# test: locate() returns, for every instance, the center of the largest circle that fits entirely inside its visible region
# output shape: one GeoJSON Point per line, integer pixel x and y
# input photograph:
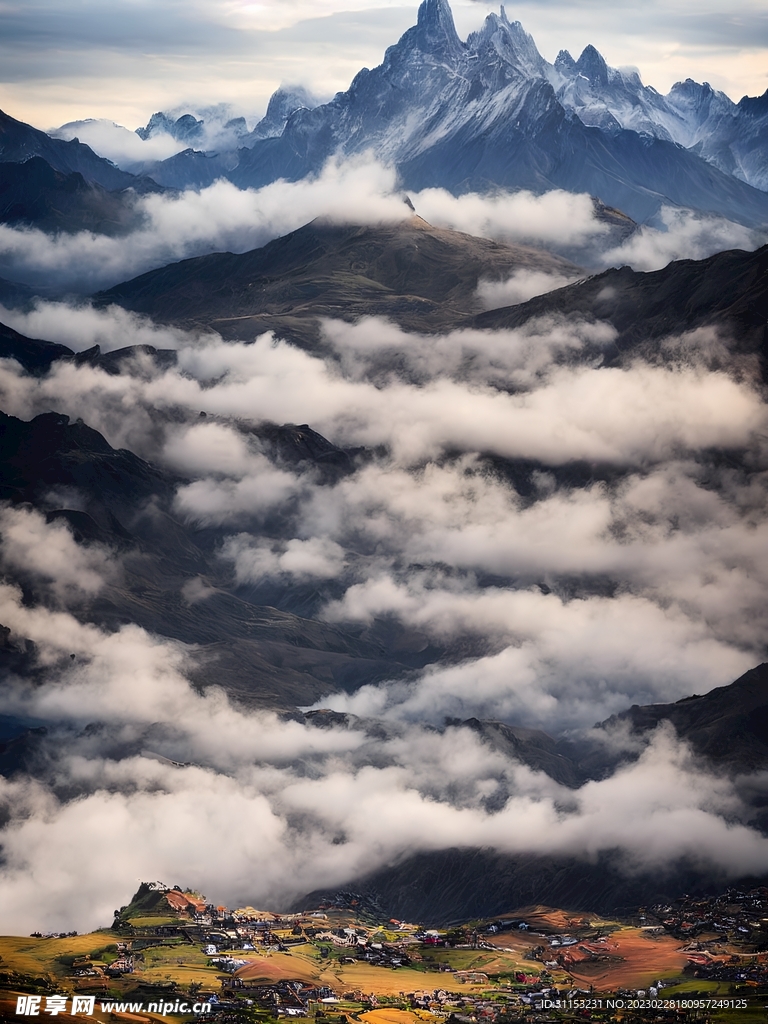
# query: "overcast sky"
{"type": "Point", "coordinates": [123, 59]}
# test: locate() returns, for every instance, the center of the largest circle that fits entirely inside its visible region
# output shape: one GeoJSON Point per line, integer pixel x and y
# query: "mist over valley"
{"type": "Point", "coordinates": [383, 498]}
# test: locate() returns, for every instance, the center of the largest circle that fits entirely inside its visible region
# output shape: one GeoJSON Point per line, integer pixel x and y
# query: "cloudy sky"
{"type": "Point", "coordinates": [124, 59]}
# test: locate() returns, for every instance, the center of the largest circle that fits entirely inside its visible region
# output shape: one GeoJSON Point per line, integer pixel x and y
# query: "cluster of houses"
{"type": "Point", "coordinates": [295, 998]}
{"type": "Point", "coordinates": [357, 945]}
{"type": "Point", "coordinates": [282, 998]}
{"type": "Point", "coordinates": [298, 999]}
{"type": "Point", "coordinates": [567, 951]}
{"type": "Point", "coordinates": [737, 915]}
{"type": "Point", "coordinates": [219, 931]}
{"type": "Point", "coordinates": [88, 974]}
{"type": "Point", "coordinates": [226, 936]}
{"type": "Point", "coordinates": [749, 971]}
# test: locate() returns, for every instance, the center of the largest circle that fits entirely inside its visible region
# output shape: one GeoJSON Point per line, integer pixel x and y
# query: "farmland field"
{"type": "Point", "coordinates": [644, 959]}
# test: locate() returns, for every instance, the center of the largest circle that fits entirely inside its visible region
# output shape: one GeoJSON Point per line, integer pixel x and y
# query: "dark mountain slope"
{"type": "Point", "coordinates": [34, 355]}
{"type": "Point", "coordinates": [531, 746]}
{"type": "Point", "coordinates": [191, 169]}
{"type": "Point", "coordinates": [34, 194]}
{"type": "Point", "coordinates": [37, 356]}
{"type": "Point", "coordinates": [737, 143]}
{"type": "Point", "coordinates": [260, 654]}
{"type": "Point", "coordinates": [728, 726]}
{"type": "Point", "coordinates": [728, 290]}
{"type": "Point", "coordinates": [456, 885]}
{"type": "Point", "coordinates": [420, 276]}
{"type": "Point", "coordinates": [13, 294]}
{"type": "Point", "coordinates": [20, 141]}
{"type": "Point", "coordinates": [49, 451]}
{"type": "Point", "coordinates": [632, 172]}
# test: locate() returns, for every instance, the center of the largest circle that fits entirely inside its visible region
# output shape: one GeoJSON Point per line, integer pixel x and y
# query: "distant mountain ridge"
{"type": "Point", "coordinates": [731, 136]}
{"type": "Point", "coordinates": [34, 194]}
{"type": "Point", "coordinates": [262, 655]}
{"type": "Point", "coordinates": [476, 115]}
{"type": "Point", "coordinates": [727, 292]}
{"type": "Point", "coordinates": [726, 728]}
{"type": "Point", "coordinates": [728, 725]}
{"type": "Point", "coordinates": [425, 279]}
{"type": "Point", "coordinates": [188, 128]}
{"type": "Point", "coordinates": [19, 142]}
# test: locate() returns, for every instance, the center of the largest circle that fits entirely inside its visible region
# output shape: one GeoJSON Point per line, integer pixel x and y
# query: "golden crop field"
{"type": "Point", "coordinates": [43, 956]}
{"type": "Point", "coordinates": [381, 980]}
{"type": "Point", "coordinates": [304, 964]}
{"type": "Point", "coordinates": [389, 1015]}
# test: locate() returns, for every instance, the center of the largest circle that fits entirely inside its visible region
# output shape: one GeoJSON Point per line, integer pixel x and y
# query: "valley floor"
{"type": "Point", "coordinates": [338, 966]}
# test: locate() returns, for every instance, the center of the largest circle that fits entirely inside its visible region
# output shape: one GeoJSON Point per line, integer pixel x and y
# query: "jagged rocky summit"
{"type": "Point", "coordinates": [492, 112]}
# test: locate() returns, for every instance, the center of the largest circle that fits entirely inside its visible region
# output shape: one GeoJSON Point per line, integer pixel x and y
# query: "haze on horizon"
{"type": "Point", "coordinates": [125, 59]}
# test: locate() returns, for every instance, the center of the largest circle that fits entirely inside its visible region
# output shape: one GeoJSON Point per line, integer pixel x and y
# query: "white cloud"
{"type": "Point", "coordinates": [48, 553]}
{"type": "Point", "coordinates": [555, 218]}
{"type": "Point", "coordinates": [213, 448]}
{"type": "Point", "coordinates": [683, 235]}
{"type": "Point", "coordinates": [221, 217]}
{"type": "Point", "coordinates": [520, 286]}
{"type": "Point", "coordinates": [366, 802]}
{"type": "Point", "coordinates": [123, 147]}
{"type": "Point", "coordinates": [81, 326]}
{"type": "Point", "coordinates": [314, 558]}
{"type": "Point", "coordinates": [583, 595]}
{"type": "Point", "coordinates": [358, 191]}
{"type": "Point", "coordinates": [571, 662]}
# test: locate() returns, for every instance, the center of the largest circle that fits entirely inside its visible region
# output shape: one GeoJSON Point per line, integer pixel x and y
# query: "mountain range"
{"type": "Point", "coordinates": [426, 279]}
{"type": "Point", "coordinates": [476, 115]}
{"type": "Point", "coordinates": [727, 292]}
{"type": "Point", "coordinates": [419, 277]}
{"type": "Point", "coordinates": [33, 193]}
{"type": "Point", "coordinates": [19, 142]}
{"type": "Point", "coordinates": [491, 112]}
{"type": "Point", "coordinates": [727, 727]}
{"type": "Point", "coordinates": [272, 658]}
{"type": "Point", "coordinates": [264, 643]}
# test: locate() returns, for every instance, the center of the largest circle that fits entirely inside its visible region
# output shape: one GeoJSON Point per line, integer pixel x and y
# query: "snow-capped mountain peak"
{"type": "Point", "coordinates": [513, 45]}
{"type": "Point", "coordinates": [491, 112]}
{"type": "Point", "coordinates": [591, 64]}
{"type": "Point", "coordinates": [435, 28]}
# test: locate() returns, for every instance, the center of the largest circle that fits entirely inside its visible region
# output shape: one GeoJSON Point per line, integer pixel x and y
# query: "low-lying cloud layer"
{"type": "Point", "coordinates": [559, 529]}
{"type": "Point", "coordinates": [295, 806]}
{"type": "Point", "coordinates": [132, 153]}
{"type": "Point", "coordinates": [361, 191]}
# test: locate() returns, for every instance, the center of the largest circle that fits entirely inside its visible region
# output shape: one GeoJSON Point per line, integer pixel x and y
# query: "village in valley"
{"type": "Point", "coordinates": [343, 962]}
